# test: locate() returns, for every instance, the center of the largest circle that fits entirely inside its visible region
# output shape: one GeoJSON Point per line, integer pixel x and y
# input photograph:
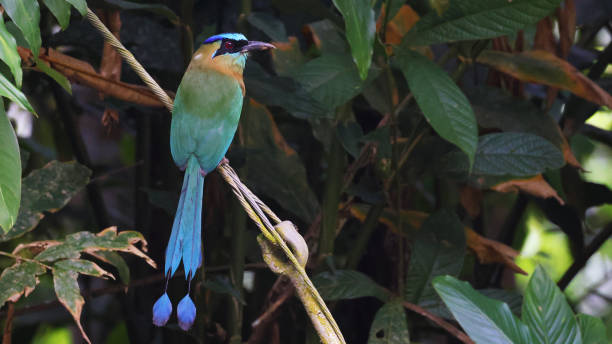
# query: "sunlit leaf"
{"type": "Point", "coordinates": [60, 10]}
{"type": "Point", "coordinates": [7, 89]}
{"type": "Point", "coordinates": [360, 31]}
{"type": "Point", "coordinates": [592, 329]}
{"type": "Point", "coordinates": [485, 320]}
{"type": "Point", "coordinates": [547, 313]}
{"type": "Point", "coordinates": [479, 19]}
{"type": "Point", "coordinates": [47, 189]}
{"type": "Point", "coordinates": [545, 68]}
{"type": "Point", "coordinates": [348, 284]}
{"type": "Point", "coordinates": [8, 53]}
{"type": "Point", "coordinates": [268, 24]}
{"type": "Point", "coordinates": [69, 295]}
{"type": "Point", "coordinates": [10, 174]}
{"type": "Point", "coordinates": [19, 279]}
{"type": "Point", "coordinates": [443, 103]}
{"type": "Point", "coordinates": [390, 325]}
{"type": "Point", "coordinates": [26, 15]}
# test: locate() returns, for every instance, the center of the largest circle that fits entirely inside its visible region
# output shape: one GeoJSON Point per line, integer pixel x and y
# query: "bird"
{"type": "Point", "coordinates": [205, 117]}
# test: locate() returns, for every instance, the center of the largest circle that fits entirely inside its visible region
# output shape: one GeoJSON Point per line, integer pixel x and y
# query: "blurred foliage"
{"type": "Point", "coordinates": [414, 143]}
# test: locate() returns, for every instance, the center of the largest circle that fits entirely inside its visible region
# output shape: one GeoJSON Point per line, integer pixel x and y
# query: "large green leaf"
{"type": "Point", "coordinates": [516, 154]}
{"type": "Point", "coordinates": [7, 89]}
{"type": "Point", "coordinates": [390, 325]}
{"type": "Point", "coordinates": [348, 284]}
{"type": "Point", "coordinates": [80, 5]}
{"type": "Point", "coordinates": [444, 105]}
{"type": "Point", "coordinates": [360, 31]}
{"type": "Point", "coordinates": [47, 189]}
{"type": "Point", "coordinates": [592, 329]}
{"type": "Point", "coordinates": [10, 173]}
{"type": "Point", "coordinates": [274, 169]}
{"type": "Point", "coordinates": [485, 320]}
{"type": "Point", "coordinates": [547, 313]}
{"type": "Point", "coordinates": [82, 266]}
{"type": "Point", "coordinates": [9, 54]}
{"type": "Point", "coordinates": [268, 24]}
{"type": "Point", "coordinates": [18, 280]}
{"type": "Point", "coordinates": [438, 249]}
{"type": "Point", "coordinates": [60, 10]}
{"type": "Point", "coordinates": [331, 79]}
{"type": "Point", "coordinates": [69, 295]}
{"type": "Point", "coordinates": [26, 15]}
{"type": "Point", "coordinates": [478, 19]}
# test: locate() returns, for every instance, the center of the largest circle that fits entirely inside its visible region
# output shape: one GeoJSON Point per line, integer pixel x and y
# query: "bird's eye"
{"type": "Point", "coordinates": [228, 45]}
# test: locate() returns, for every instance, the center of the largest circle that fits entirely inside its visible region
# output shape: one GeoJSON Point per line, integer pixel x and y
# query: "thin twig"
{"type": "Point", "coordinates": [439, 321]}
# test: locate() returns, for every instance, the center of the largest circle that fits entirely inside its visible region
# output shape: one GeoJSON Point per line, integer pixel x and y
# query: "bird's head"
{"type": "Point", "coordinates": [227, 52]}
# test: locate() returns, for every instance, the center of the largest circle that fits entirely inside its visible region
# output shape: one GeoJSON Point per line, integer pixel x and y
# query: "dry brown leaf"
{"type": "Point", "coordinates": [470, 199]}
{"type": "Point", "coordinates": [535, 186]}
{"type": "Point", "coordinates": [567, 27]}
{"type": "Point", "coordinates": [542, 67]}
{"type": "Point", "coordinates": [399, 25]}
{"type": "Point", "coordinates": [83, 73]}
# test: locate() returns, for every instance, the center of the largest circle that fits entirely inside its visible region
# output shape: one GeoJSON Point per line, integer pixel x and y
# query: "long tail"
{"type": "Point", "coordinates": [185, 244]}
{"type": "Point", "coordinates": [185, 241]}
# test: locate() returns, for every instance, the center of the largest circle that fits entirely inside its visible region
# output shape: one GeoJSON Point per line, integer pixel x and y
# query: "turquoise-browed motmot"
{"type": "Point", "coordinates": [204, 120]}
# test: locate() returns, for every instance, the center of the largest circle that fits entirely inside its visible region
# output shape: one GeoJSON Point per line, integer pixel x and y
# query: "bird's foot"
{"type": "Point", "coordinates": [203, 173]}
{"type": "Point", "coordinates": [224, 161]}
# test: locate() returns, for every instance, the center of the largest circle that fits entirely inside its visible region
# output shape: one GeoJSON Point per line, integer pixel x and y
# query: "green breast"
{"type": "Point", "coordinates": [205, 117]}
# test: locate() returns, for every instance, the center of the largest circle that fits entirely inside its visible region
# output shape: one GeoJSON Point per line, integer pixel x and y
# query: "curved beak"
{"type": "Point", "coordinates": [256, 45]}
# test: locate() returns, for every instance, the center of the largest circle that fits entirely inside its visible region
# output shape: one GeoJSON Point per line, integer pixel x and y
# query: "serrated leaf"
{"type": "Point", "coordinates": [438, 249]}
{"type": "Point", "coordinates": [485, 320]}
{"type": "Point", "coordinates": [10, 174]}
{"type": "Point", "coordinates": [547, 313]}
{"type": "Point", "coordinates": [18, 280]}
{"type": "Point", "coordinates": [26, 15]}
{"type": "Point", "coordinates": [117, 261]}
{"type": "Point", "coordinates": [82, 266]}
{"type": "Point", "coordinates": [360, 26]}
{"type": "Point", "coordinates": [479, 19]}
{"type": "Point", "coordinates": [69, 295]}
{"type": "Point", "coordinates": [106, 240]}
{"type": "Point", "coordinates": [9, 54]}
{"type": "Point", "coordinates": [268, 24]}
{"type": "Point", "coordinates": [592, 329]}
{"type": "Point", "coordinates": [80, 5]}
{"type": "Point", "coordinates": [55, 75]}
{"type": "Point", "coordinates": [47, 189]}
{"type": "Point", "coordinates": [390, 325]}
{"type": "Point", "coordinates": [7, 89]}
{"type": "Point", "coordinates": [348, 284]}
{"type": "Point", "coordinates": [274, 168]}
{"type": "Point", "coordinates": [545, 68]}
{"type": "Point", "coordinates": [515, 154]}
{"type": "Point", "coordinates": [443, 103]}
{"type": "Point", "coordinates": [60, 10]}
{"type": "Point", "coordinates": [223, 286]}
{"type": "Point", "coordinates": [331, 79]}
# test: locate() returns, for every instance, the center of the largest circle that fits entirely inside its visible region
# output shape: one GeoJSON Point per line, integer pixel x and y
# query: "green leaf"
{"type": "Point", "coordinates": [390, 325]}
{"type": "Point", "coordinates": [274, 168]}
{"type": "Point", "coordinates": [68, 293]}
{"type": "Point", "coordinates": [18, 280]}
{"type": "Point", "coordinates": [159, 9]}
{"type": "Point", "coordinates": [9, 54]}
{"type": "Point", "coordinates": [60, 10]}
{"type": "Point", "coordinates": [82, 266]}
{"type": "Point", "coordinates": [513, 299]}
{"type": "Point", "coordinates": [327, 37]}
{"type": "Point", "coordinates": [26, 15]}
{"type": "Point", "coordinates": [478, 19]}
{"type": "Point", "coordinates": [360, 31]}
{"type": "Point", "coordinates": [547, 313]}
{"type": "Point", "coordinates": [348, 284]}
{"type": "Point", "coordinates": [55, 75]}
{"type": "Point", "coordinates": [223, 286]}
{"type": "Point", "coordinates": [10, 173]}
{"type": "Point", "coordinates": [485, 320]}
{"type": "Point", "coordinates": [268, 24]}
{"type": "Point", "coordinates": [115, 260]}
{"type": "Point", "coordinates": [516, 154]}
{"type": "Point", "coordinates": [438, 249]}
{"type": "Point", "coordinates": [7, 89]}
{"type": "Point", "coordinates": [47, 189]}
{"type": "Point", "coordinates": [107, 240]}
{"type": "Point", "coordinates": [444, 105]}
{"type": "Point", "coordinates": [332, 79]}
{"type": "Point", "coordinates": [80, 5]}
{"type": "Point", "coordinates": [592, 329]}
